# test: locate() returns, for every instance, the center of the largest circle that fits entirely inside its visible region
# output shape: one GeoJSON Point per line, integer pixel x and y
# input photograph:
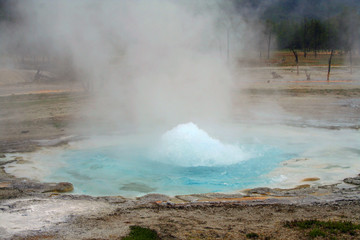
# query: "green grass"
{"type": "Point", "coordinates": [140, 233]}
{"type": "Point", "coordinates": [252, 235]}
{"type": "Point", "coordinates": [316, 233]}
{"type": "Point", "coordinates": [58, 123]}
{"type": "Point", "coordinates": [325, 229]}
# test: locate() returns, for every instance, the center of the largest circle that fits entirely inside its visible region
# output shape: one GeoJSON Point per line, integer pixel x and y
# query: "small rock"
{"type": "Point", "coordinates": [276, 76]}
{"type": "Point", "coordinates": [6, 193]}
{"type": "Point", "coordinates": [64, 187]}
{"type": "Point", "coordinates": [301, 159]}
{"type": "Point", "coordinates": [137, 187]}
{"type": "Point", "coordinates": [355, 180]}
{"type": "Point", "coordinates": [312, 179]}
{"type": "Point", "coordinates": [302, 186]}
{"type": "Point", "coordinates": [260, 190]}
{"type": "Point", "coordinates": [114, 199]}
{"type": "Point", "coordinates": [5, 184]}
{"type": "Point", "coordinates": [21, 161]}
{"type": "Point", "coordinates": [25, 131]}
{"type": "Point", "coordinates": [60, 187]}
{"type": "Point", "coordinates": [187, 198]}
{"type": "Point", "coordinates": [154, 198]}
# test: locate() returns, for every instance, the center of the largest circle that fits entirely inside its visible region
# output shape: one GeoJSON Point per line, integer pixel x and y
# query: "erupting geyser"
{"type": "Point", "coordinates": [182, 160]}
{"type": "Point", "coordinates": [186, 160]}
{"type": "Point", "coordinates": [189, 146]}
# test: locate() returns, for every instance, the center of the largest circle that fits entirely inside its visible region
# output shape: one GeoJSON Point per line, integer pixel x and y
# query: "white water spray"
{"type": "Point", "coordinates": [189, 146]}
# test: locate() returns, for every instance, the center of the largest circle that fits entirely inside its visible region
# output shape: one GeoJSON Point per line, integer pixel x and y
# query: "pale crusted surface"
{"type": "Point", "coordinates": [201, 221]}
{"type": "Point", "coordinates": [35, 214]}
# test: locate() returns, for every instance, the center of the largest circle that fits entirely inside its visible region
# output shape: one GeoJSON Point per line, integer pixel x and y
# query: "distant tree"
{"type": "Point", "coordinates": [287, 35]}
{"type": "Point", "coordinates": [319, 36]}
{"type": "Point", "coordinates": [332, 29]}
{"type": "Point", "coordinates": [305, 36]}
{"type": "Point", "coordinates": [329, 68]}
{"type": "Point", "coordinates": [348, 31]}
{"type": "Point", "coordinates": [268, 34]}
{"type": "Point", "coordinates": [296, 60]}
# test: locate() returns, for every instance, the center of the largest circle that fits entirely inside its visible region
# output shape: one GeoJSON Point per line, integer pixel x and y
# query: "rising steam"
{"type": "Point", "coordinates": [145, 62]}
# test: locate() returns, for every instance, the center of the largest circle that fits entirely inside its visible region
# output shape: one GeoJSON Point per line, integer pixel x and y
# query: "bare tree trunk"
{"type": "Point", "coordinates": [269, 45]}
{"type": "Point", "coordinates": [331, 55]}
{"type": "Point", "coordinates": [228, 46]}
{"type": "Point", "coordinates": [296, 61]}
{"type": "Point", "coordinates": [350, 62]}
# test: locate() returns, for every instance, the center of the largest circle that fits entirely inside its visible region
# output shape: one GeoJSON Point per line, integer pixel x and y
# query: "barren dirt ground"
{"type": "Point", "coordinates": [34, 111]}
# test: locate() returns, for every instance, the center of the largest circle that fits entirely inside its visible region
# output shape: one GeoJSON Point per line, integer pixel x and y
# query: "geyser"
{"type": "Point", "coordinates": [189, 146]}
{"type": "Point", "coordinates": [186, 160]}
{"type": "Point", "coordinates": [183, 160]}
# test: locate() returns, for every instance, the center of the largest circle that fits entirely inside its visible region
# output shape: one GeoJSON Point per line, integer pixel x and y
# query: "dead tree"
{"type": "Point", "coordinates": [331, 55]}
{"type": "Point", "coordinates": [296, 61]}
{"type": "Point", "coordinates": [307, 75]}
{"type": "Point", "coordinates": [268, 32]}
{"type": "Point", "coordinates": [350, 55]}
{"type": "Point", "coordinates": [37, 76]}
{"type": "Point", "coordinates": [268, 45]}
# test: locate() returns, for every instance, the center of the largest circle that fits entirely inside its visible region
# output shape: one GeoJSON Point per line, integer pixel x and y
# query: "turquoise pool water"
{"type": "Point", "coordinates": [128, 171]}
{"type": "Point", "coordinates": [185, 160]}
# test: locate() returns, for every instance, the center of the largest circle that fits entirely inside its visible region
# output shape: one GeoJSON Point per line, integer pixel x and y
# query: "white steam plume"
{"type": "Point", "coordinates": [146, 62]}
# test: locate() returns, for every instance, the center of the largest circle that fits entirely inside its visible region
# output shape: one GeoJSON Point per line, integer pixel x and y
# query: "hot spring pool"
{"type": "Point", "coordinates": [187, 160]}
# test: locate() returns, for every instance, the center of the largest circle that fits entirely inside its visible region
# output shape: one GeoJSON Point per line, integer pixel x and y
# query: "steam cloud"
{"type": "Point", "coordinates": [146, 62]}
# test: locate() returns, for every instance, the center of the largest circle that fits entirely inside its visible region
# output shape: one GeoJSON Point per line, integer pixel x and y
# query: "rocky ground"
{"type": "Point", "coordinates": [261, 211]}
{"type": "Point", "coordinates": [33, 115]}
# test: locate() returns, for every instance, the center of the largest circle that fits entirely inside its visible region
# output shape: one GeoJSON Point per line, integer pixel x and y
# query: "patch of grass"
{"type": "Point", "coordinates": [316, 233]}
{"type": "Point", "coordinates": [328, 229]}
{"type": "Point", "coordinates": [302, 224]}
{"type": "Point", "coordinates": [58, 124]}
{"type": "Point", "coordinates": [140, 233]}
{"type": "Point", "coordinates": [252, 235]}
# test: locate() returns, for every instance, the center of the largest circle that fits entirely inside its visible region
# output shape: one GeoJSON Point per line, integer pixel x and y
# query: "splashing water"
{"type": "Point", "coordinates": [185, 160]}
{"type": "Point", "coordinates": [188, 146]}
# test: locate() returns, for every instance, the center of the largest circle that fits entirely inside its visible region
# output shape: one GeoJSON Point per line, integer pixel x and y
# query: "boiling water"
{"type": "Point", "coordinates": [186, 160]}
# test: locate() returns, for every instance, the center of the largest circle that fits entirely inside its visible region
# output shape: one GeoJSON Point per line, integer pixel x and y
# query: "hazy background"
{"type": "Point", "coordinates": [164, 62]}
{"type": "Point", "coordinates": [144, 62]}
